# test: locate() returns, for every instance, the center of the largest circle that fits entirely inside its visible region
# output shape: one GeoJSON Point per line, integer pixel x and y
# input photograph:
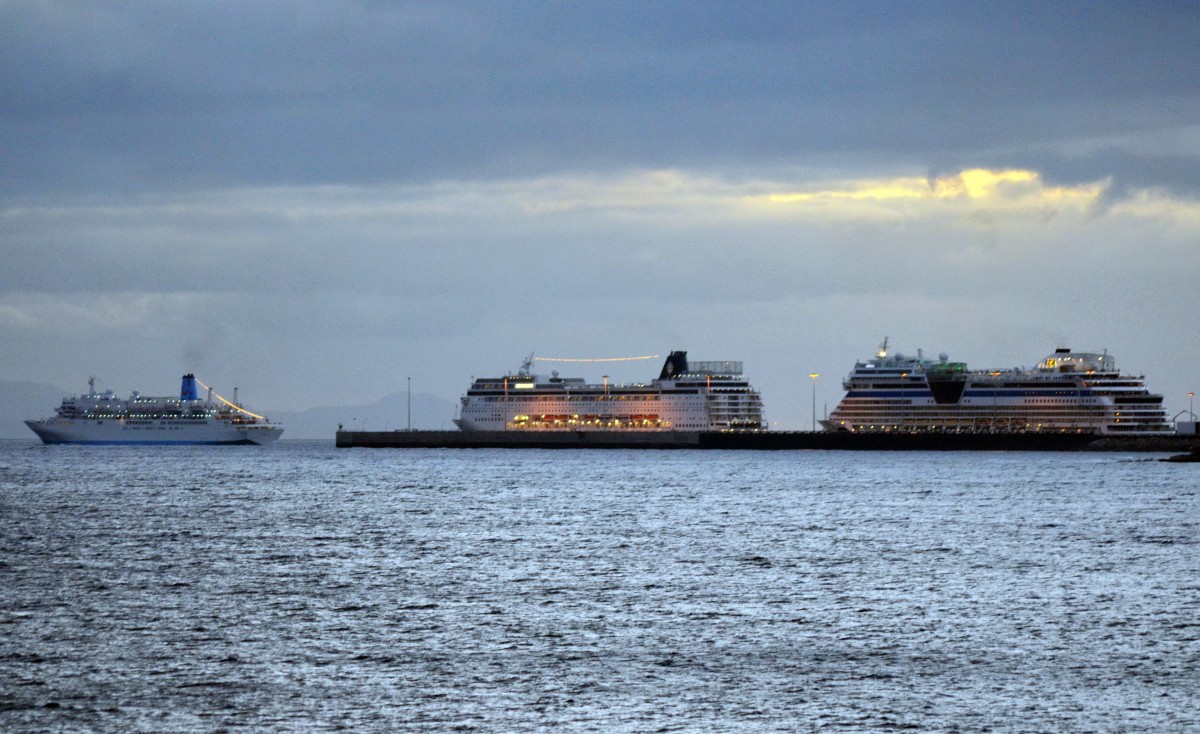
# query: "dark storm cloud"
{"type": "Point", "coordinates": [103, 96]}
{"type": "Point", "coordinates": [318, 197]}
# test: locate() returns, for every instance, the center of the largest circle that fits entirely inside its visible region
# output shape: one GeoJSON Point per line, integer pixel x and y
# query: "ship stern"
{"type": "Point", "coordinates": [263, 435]}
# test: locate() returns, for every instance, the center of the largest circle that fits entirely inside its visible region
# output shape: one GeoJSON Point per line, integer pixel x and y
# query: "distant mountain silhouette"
{"type": "Point", "coordinates": [20, 401]}
{"type": "Point", "coordinates": [389, 413]}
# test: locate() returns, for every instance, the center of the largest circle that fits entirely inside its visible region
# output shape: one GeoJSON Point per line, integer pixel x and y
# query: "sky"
{"type": "Point", "coordinates": [317, 200]}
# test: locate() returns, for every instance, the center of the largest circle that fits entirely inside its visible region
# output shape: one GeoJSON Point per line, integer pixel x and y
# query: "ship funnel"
{"type": "Point", "coordinates": [187, 390]}
{"type": "Point", "coordinates": [676, 364]}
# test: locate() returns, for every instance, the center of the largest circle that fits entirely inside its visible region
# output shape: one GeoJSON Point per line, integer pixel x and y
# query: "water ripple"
{"type": "Point", "coordinates": [303, 588]}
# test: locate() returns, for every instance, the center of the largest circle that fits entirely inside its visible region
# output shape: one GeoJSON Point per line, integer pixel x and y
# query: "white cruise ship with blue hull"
{"type": "Point", "coordinates": [104, 419]}
{"type": "Point", "coordinates": [1067, 392]}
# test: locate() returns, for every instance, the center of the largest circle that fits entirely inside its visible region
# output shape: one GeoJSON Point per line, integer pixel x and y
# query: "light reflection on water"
{"type": "Point", "coordinates": [302, 587]}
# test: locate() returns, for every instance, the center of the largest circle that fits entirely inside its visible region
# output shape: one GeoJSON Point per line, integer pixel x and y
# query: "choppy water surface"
{"type": "Point", "coordinates": [302, 587]}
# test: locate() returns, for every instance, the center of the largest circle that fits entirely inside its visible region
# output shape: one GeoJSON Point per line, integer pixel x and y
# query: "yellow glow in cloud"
{"type": "Point", "coordinates": [901, 188]}
{"type": "Point", "coordinates": [981, 182]}
{"type": "Point", "coordinates": [980, 193]}
{"type": "Point", "coordinates": [975, 183]}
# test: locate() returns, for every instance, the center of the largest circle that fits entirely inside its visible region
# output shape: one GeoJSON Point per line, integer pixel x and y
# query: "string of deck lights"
{"type": "Point", "coordinates": [232, 405]}
{"type": "Point", "coordinates": [601, 359]}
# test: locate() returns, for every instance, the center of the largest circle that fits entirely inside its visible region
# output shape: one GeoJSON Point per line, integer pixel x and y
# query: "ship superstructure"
{"type": "Point", "coordinates": [103, 418]}
{"type": "Point", "coordinates": [1067, 392]}
{"type": "Point", "coordinates": [687, 396]}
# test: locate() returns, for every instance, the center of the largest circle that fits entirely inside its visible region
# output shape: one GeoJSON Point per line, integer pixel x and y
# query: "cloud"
{"type": "Point", "coordinates": [339, 287]}
{"type": "Point", "coordinates": [114, 312]}
{"type": "Point", "coordinates": [640, 232]}
{"type": "Point", "coordinates": [1017, 190]}
{"type": "Point", "coordinates": [320, 194]}
{"type": "Point", "coordinates": [113, 96]}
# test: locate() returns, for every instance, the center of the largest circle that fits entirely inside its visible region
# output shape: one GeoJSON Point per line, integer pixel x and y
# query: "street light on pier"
{"type": "Point", "coordinates": [814, 376]}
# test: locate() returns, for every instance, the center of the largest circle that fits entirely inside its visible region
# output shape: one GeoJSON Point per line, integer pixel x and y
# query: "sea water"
{"type": "Point", "coordinates": [300, 587]}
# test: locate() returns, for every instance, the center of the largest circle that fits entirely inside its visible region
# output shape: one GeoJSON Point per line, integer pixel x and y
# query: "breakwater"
{"type": "Point", "coordinates": [763, 441]}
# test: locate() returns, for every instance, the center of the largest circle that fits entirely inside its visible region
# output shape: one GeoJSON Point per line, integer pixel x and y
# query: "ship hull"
{"type": "Point", "coordinates": [117, 433]}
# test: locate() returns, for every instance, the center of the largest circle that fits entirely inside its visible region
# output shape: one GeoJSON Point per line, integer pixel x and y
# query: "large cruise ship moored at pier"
{"type": "Point", "coordinates": [1067, 392]}
{"type": "Point", "coordinates": [687, 396]}
{"type": "Point", "coordinates": [103, 418]}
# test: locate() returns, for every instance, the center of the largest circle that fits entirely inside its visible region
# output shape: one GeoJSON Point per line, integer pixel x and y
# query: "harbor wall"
{"type": "Point", "coordinates": [764, 441]}
{"type": "Point", "coordinates": [519, 439]}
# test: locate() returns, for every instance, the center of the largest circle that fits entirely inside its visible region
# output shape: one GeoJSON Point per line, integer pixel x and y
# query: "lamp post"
{"type": "Point", "coordinates": [409, 404]}
{"type": "Point", "coordinates": [1191, 399]}
{"type": "Point", "coordinates": [814, 376]}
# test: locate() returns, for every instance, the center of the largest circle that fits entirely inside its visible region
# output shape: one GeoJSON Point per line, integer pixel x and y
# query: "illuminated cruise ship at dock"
{"type": "Point", "coordinates": [1067, 392]}
{"type": "Point", "coordinates": [687, 396]}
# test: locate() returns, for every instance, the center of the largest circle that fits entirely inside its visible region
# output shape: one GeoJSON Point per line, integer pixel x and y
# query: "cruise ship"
{"type": "Point", "coordinates": [103, 418]}
{"type": "Point", "coordinates": [1067, 392]}
{"type": "Point", "coordinates": [687, 396]}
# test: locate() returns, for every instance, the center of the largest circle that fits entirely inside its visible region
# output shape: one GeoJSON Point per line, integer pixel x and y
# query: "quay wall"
{"type": "Point", "coordinates": [518, 439]}
{"type": "Point", "coordinates": [764, 441]}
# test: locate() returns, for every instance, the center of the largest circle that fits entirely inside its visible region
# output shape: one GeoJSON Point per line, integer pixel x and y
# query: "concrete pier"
{"type": "Point", "coordinates": [519, 439]}
{"type": "Point", "coordinates": [764, 441]}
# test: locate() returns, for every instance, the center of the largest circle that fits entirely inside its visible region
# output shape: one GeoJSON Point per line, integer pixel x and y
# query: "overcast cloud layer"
{"type": "Point", "coordinates": [314, 201]}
